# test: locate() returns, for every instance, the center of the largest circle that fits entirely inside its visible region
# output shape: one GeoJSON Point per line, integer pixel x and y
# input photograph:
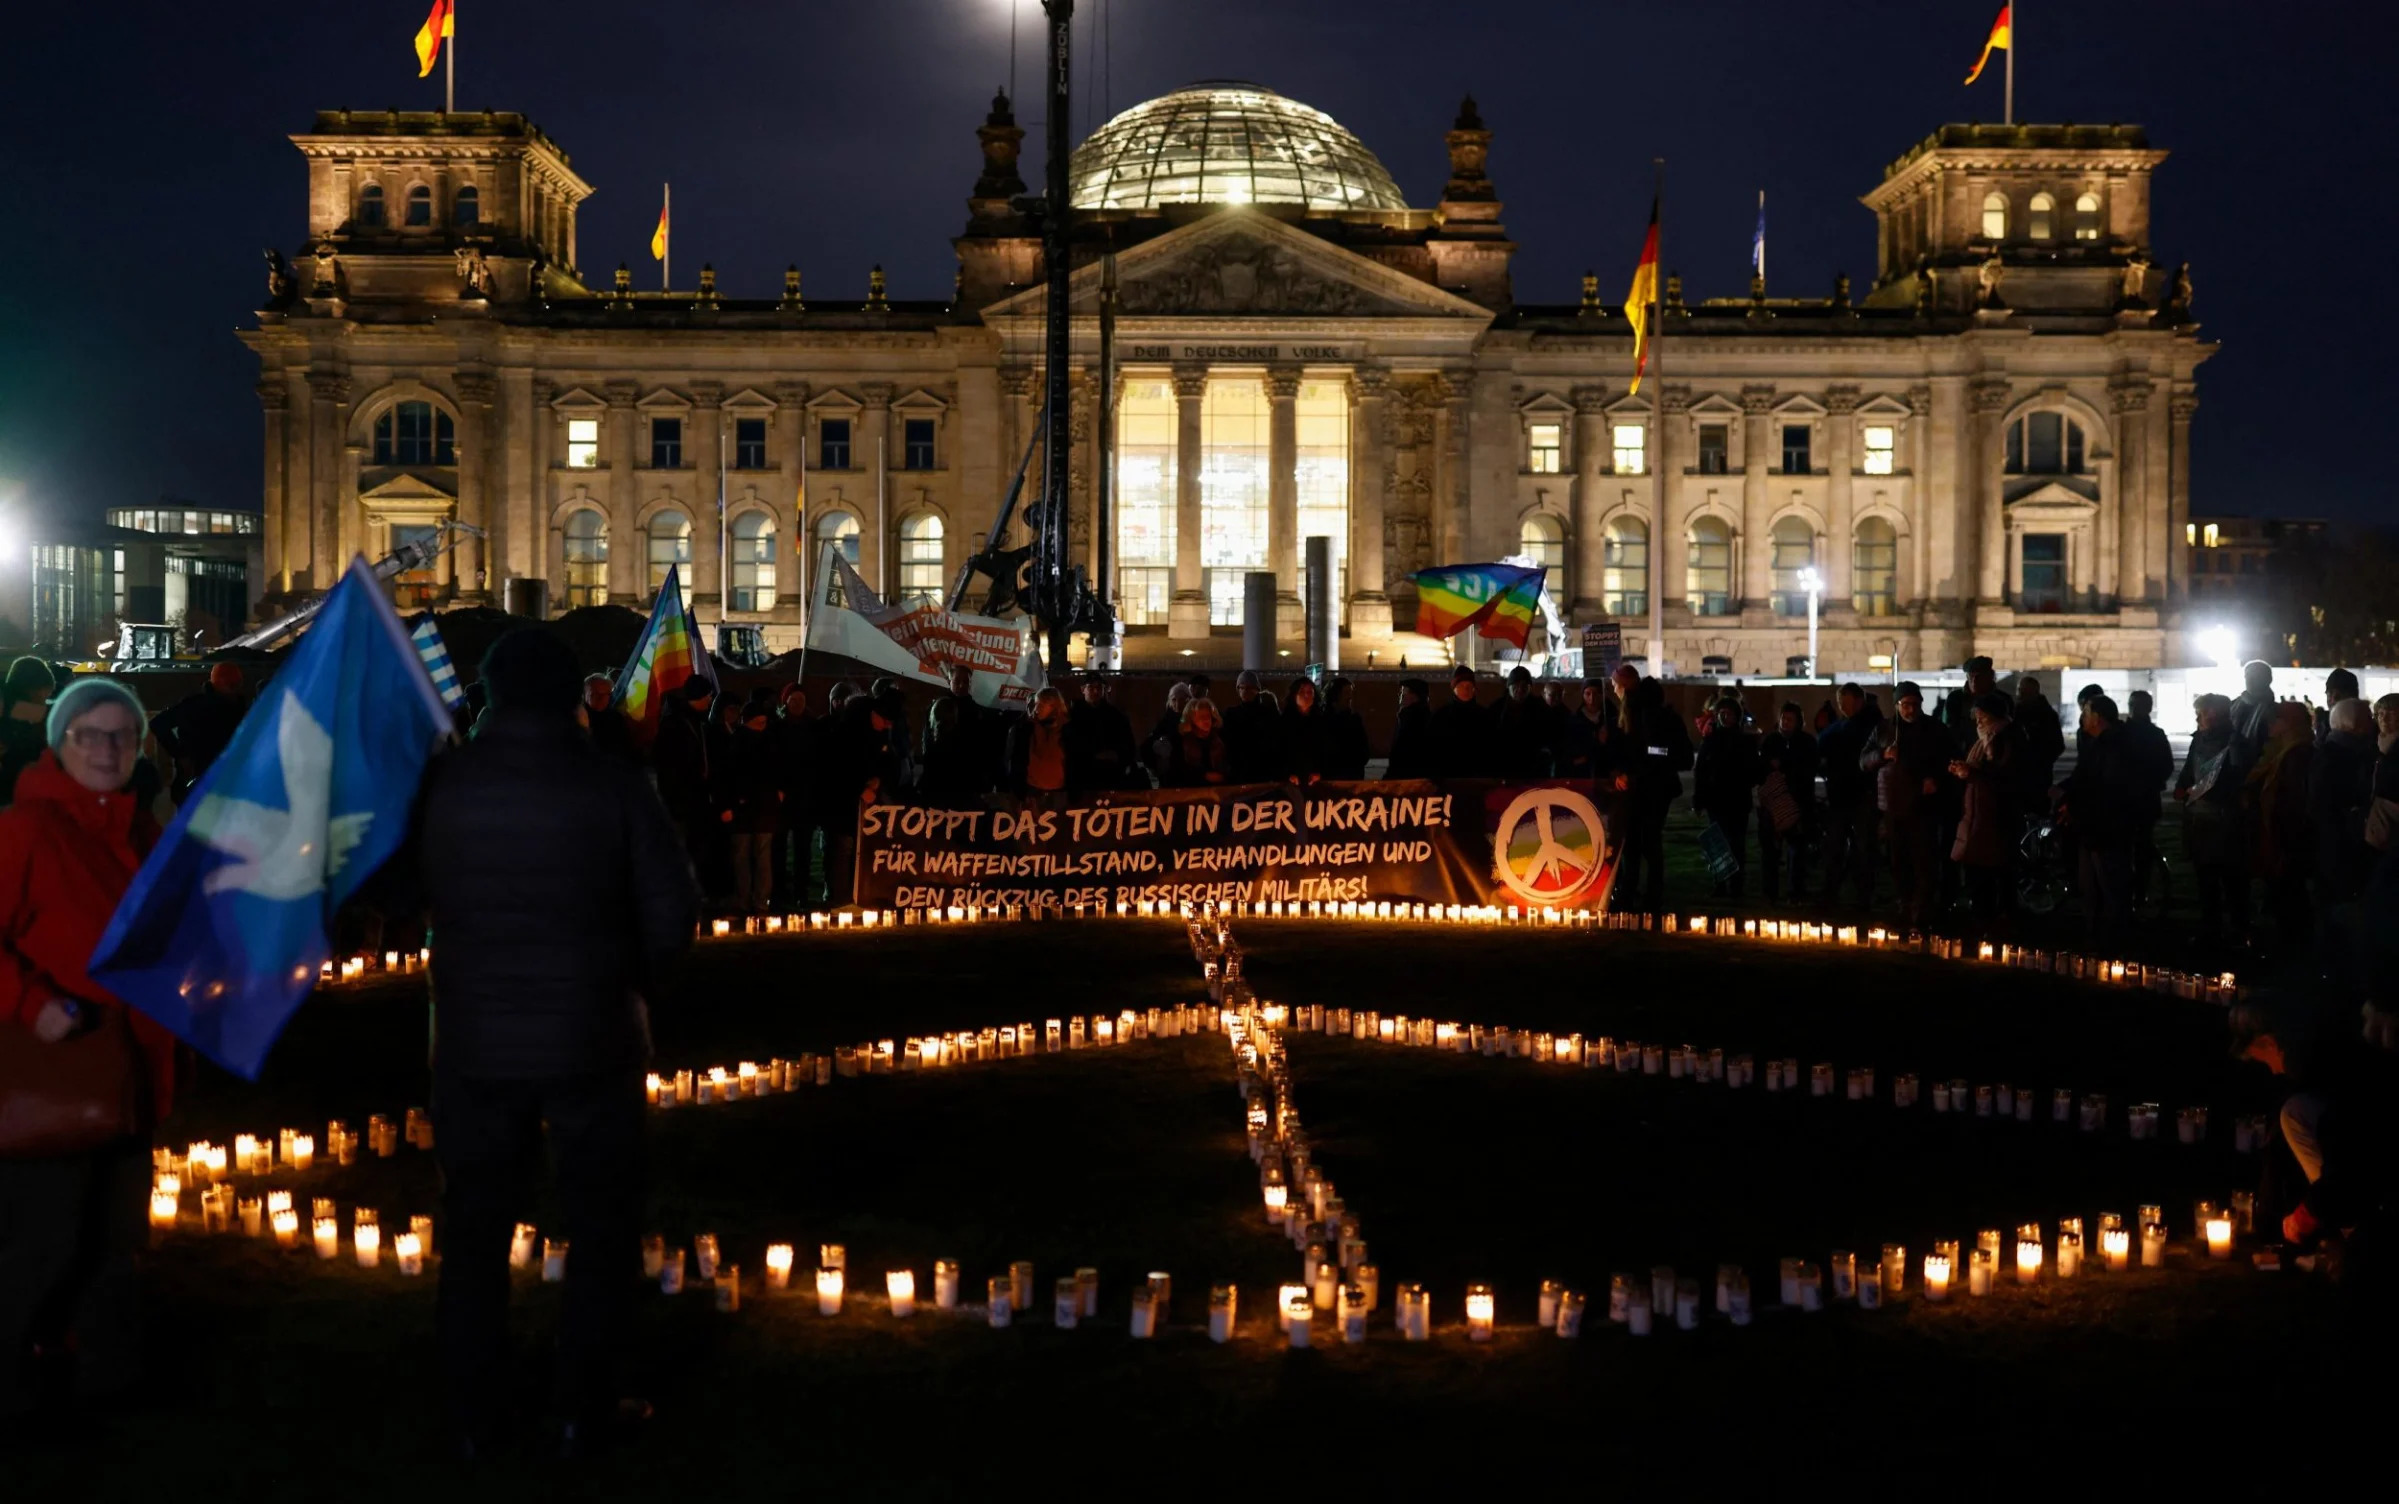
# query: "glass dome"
{"type": "Point", "coordinates": [1227, 143]}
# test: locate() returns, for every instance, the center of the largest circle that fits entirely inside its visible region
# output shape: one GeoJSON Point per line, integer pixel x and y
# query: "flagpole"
{"type": "Point", "coordinates": [724, 538]}
{"type": "Point", "coordinates": [449, 76]}
{"type": "Point", "coordinates": [1761, 234]}
{"type": "Point", "coordinates": [2010, 105]}
{"type": "Point", "coordinates": [666, 242]}
{"type": "Point", "coordinates": [1656, 313]}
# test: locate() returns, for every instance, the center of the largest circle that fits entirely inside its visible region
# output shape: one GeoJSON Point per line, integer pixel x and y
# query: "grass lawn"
{"type": "Point", "coordinates": [294, 1379]}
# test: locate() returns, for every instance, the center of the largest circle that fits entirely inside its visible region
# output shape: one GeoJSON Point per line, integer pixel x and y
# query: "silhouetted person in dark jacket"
{"type": "Point", "coordinates": [1411, 734]}
{"type": "Point", "coordinates": [1345, 733]}
{"type": "Point", "coordinates": [1723, 781]}
{"type": "Point", "coordinates": [561, 903]}
{"type": "Point", "coordinates": [1458, 736]}
{"type": "Point", "coordinates": [1253, 734]}
{"type": "Point", "coordinates": [1655, 752]}
{"type": "Point", "coordinates": [1790, 750]}
{"type": "Point", "coordinates": [1849, 808]}
{"type": "Point", "coordinates": [194, 730]}
{"type": "Point", "coordinates": [1522, 729]}
{"type": "Point", "coordinates": [1099, 740]}
{"type": "Point", "coordinates": [1307, 734]}
{"type": "Point", "coordinates": [610, 731]}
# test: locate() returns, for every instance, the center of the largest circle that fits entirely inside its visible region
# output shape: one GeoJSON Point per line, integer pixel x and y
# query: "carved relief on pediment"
{"type": "Point", "coordinates": [1239, 274]}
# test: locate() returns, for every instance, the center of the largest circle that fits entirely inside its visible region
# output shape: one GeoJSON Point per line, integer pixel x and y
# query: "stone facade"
{"type": "Point", "coordinates": [1988, 451]}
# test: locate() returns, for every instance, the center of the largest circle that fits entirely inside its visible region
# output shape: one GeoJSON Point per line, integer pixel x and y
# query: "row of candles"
{"type": "Point", "coordinates": [276, 1215]}
{"type": "Point", "coordinates": [203, 1163]}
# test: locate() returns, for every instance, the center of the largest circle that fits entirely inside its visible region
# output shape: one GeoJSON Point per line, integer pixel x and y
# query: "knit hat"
{"type": "Point", "coordinates": [28, 678]}
{"type": "Point", "coordinates": [1462, 671]}
{"type": "Point", "coordinates": [84, 696]}
{"type": "Point", "coordinates": [1906, 689]}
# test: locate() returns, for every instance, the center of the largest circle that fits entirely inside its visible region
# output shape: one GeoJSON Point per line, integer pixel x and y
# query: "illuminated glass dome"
{"type": "Point", "coordinates": [1227, 143]}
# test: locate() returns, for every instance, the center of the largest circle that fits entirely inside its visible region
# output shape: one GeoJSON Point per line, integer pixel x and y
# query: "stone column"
{"type": "Point", "coordinates": [791, 450]}
{"type": "Point", "coordinates": [1370, 463]}
{"type": "Point", "coordinates": [1918, 589]}
{"type": "Point", "coordinates": [349, 530]}
{"type": "Point", "coordinates": [275, 498]}
{"type": "Point", "coordinates": [1591, 452]}
{"type": "Point", "coordinates": [2135, 524]}
{"type": "Point", "coordinates": [1840, 435]}
{"type": "Point", "coordinates": [706, 586]}
{"type": "Point", "coordinates": [529, 514]}
{"type": "Point", "coordinates": [1188, 612]}
{"type": "Point", "coordinates": [626, 567]}
{"type": "Point", "coordinates": [328, 404]}
{"type": "Point", "coordinates": [1986, 491]}
{"type": "Point", "coordinates": [1450, 500]}
{"type": "Point", "coordinates": [875, 537]}
{"type": "Point", "coordinates": [476, 435]}
{"type": "Point", "coordinates": [1757, 455]}
{"type": "Point", "coordinates": [1282, 498]}
{"type": "Point", "coordinates": [2179, 407]}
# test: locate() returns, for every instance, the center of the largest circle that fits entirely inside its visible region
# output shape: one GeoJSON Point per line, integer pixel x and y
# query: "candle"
{"type": "Point", "coordinates": [287, 1228]}
{"type": "Point", "coordinates": [328, 1237]}
{"type": "Point", "coordinates": [2028, 1260]}
{"type": "Point", "coordinates": [653, 1256]}
{"type": "Point", "coordinates": [833, 1256]}
{"type": "Point", "coordinates": [1481, 1313]}
{"type": "Point", "coordinates": [1223, 1304]}
{"type": "Point", "coordinates": [728, 1288]}
{"type": "Point", "coordinates": [410, 1251]}
{"type": "Point", "coordinates": [1143, 1323]}
{"type": "Point", "coordinates": [1414, 1309]}
{"type": "Point", "coordinates": [164, 1204]}
{"type": "Point", "coordinates": [1978, 1272]}
{"type": "Point", "coordinates": [1551, 1289]}
{"type": "Point", "coordinates": [650, 1085]}
{"type": "Point", "coordinates": [1936, 1277]}
{"type": "Point", "coordinates": [670, 1272]}
{"type": "Point", "coordinates": [2069, 1254]}
{"type": "Point", "coordinates": [778, 1266]}
{"type": "Point", "coordinates": [1686, 1304]}
{"type": "Point", "coordinates": [366, 1238]}
{"type": "Point", "coordinates": [1636, 1320]}
{"type": "Point", "coordinates": [900, 1285]}
{"type": "Point", "coordinates": [1844, 1268]}
{"type": "Point", "coordinates": [1870, 1289]}
{"type": "Point", "coordinates": [553, 1263]}
{"type": "Point", "coordinates": [828, 1292]}
{"type": "Point", "coordinates": [1895, 1268]}
{"type": "Point", "coordinates": [2219, 1236]}
{"type": "Point", "coordinates": [1020, 1285]}
{"type": "Point", "coordinates": [254, 1220]}
{"type": "Point", "coordinates": [1001, 1299]}
{"type": "Point", "coordinates": [520, 1248]}
{"type": "Point", "coordinates": [945, 1284]}
{"type": "Point", "coordinates": [1299, 1311]}
{"type": "Point", "coordinates": [2116, 1245]}
{"type": "Point", "coordinates": [703, 1256]}
{"type": "Point", "coordinates": [1370, 1280]}
{"type": "Point", "coordinates": [1737, 1303]}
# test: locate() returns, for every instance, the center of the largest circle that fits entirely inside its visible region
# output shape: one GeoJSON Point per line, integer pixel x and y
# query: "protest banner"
{"type": "Point", "coordinates": [1461, 842]}
{"type": "Point", "coordinates": [921, 640]}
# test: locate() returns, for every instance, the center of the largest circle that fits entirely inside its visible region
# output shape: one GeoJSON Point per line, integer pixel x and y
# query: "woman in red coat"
{"type": "Point", "coordinates": [71, 1224]}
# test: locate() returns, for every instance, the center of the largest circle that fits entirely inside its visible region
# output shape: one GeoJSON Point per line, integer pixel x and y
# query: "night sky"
{"type": "Point", "coordinates": [146, 165]}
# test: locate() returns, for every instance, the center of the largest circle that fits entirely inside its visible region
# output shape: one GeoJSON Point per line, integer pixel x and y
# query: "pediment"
{"type": "Point", "coordinates": [1715, 405]}
{"type": "Point", "coordinates": [1546, 405]}
{"type": "Point", "coordinates": [664, 400]}
{"type": "Point", "coordinates": [1799, 407]}
{"type": "Point", "coordinates": [749, 400]}
{"type": "Point", "coordinates": [834, 400]}
{"type": "Point", "coordinates": [578, 400]}
{"type": "Point", "coordinates": [919, 401]}
{"type": "Point", "coordinates": [1883, 406]}
{"type": "Point", "coordinates": [2061, 498]}
{"type": "Point", "coordinates": [408, 498]}
{"type": "Point", "coordinates": [1241, 263]}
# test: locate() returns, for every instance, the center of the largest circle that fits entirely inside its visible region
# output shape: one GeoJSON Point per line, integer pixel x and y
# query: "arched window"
{"type": "Point", "coordinates": [753, 562]}
{"type": "Point", "coordinates": [1708, 568]}
{"type": "Point", "coordinates": [920, 558]}
{"type": "Point", "coordinates": [1624, 561]}
{"type": "Point", "coordinates": [415, 433]}
{"type": "Point", "coordinates": [370, 207]}
{"type": "Point", "coordinates": [670, 545]}
{"type": "Point", "coordinates": [2041, 216]}
{"type": "Point", "coordinates": [1146, 455]}
{"type": "Point", "coordinates": [1540, 539]}
{"type": "Point", "coordinates": [420, 206]}
{"type": "Point", "coordinates": [1792, 563]}
{"type": "Point", "coordinates": [586, 558]}
{"type": "Point", "coordinates": [470, 209]}
{"type": "Point", "coordinates": [2044, 444]}
{"type": "Point", "coordinates": [2086, 217]}
{"type": "Point", "coordinates": [1874, 568]}
{"type": "Point", "coordinates": [841, 530]}
{"type": "Point", "coordinates": [1994, 216]}
{"type": "Point", "coordinates": [1234, 484]}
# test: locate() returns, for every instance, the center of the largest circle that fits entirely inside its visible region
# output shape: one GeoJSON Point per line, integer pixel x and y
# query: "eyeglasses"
{"type": "Point", "coordinates": [93, 738]}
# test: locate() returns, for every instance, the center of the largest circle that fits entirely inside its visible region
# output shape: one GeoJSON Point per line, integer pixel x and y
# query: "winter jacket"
{"type": "Point", "coordinates": [755, 788]}
{"type": "Point", "coordinates": [1346, 749]}
{"type": "Point", "coordinates": [196, 729]}
{"type": "Point", "coordinates": [1656, 752]}
{"type": "Point", "coordinates": [1992, 817]}
{"type": "Point", "coordinates": [1524, 732]}
{"type": "Point", "coordinates": [2044, 741]}
{"type": "Point", "coordinates": [2211, 814]}
{"type": "Point", "coordinates": [680, 758]}
{"type": "Point", "coordinates": [1924, 753]}
{"type": "Point", "coordinates": [559, 901]}
{"type": "Point", "coordinates": [2151, 757]}
{"type": "Point", "coordinates": [1726, 772]}
{"type": "Point", "coordinates": [1841, 749]}
{"type": "Point", "coordinates": [1037, 756]}
{"type": "Point", "coordinates": [1187, 761]}
{"type": "Point", "coordinates": [2106, 802]}
{"type": "Point", "coordinates": [1794, 756]}
{"type": "Point", "coordinates": [1099, 746]}
{"type": "Point", "coordinates": [67, 856]}
{"type": "Point", "coordinates": [1253, 738]}
{"type": "Point", "coordinates": [1458, 741]}
{"type": "Point", "coordinates": [1586, 746]}
{"type": "Point", "coordinates": [613, 734]}
{"type": "Point", "coordinates": [2340, 789]}
{"type": "Point", "coordinates": [1411, 743]}
{"type": "Point", "coordinates": [1307, 743]}
{"type": "Point", "coordinates": [22, 744]}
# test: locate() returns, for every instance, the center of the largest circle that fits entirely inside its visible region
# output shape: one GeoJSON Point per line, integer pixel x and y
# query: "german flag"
{"type": "Point", "coordinates": [1997, 43]}
{"type": "Point", "coordinates": [441, 23]}
{"type": "Point", "coordinates": [1640, 303]}
{"type": "Point", "coordinates": [658, 237]}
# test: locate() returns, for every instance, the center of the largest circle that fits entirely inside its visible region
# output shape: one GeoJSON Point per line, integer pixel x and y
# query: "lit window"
{"type": "Point", "coordinates": [920, 558]}
{"type": "Point", "coordinates": [1630, 442]}
{"type": "Point", "coordinates": [586, 558]}
{"type": "Point", "coordinates": [2044, 444]}
{"type": "Point", "coordinates": [749, 443]}
{"type": "Point", "coordinates": [1874, 568]}
{"type": "Point", "coordinates": [753, 562]}
{"type": "Point", "coordinates": [670, 546]}
{"type": "Point", "coordinates": [2211, 538]}
{"type": "Point", "coordinates": [1708, 568]}
{"type": "Point", "coordinates": [1994, 216]}
{"type": "Point", "coordinates": [1797, 442]}
{"type": "Point", "coordinates": [414, 433]}
{"type": "Point", "coordinates": [470, 209]}
{"type": "Point", "coordinates": [2044, 573]}
{"type": "Point", "coordinates": [833, 444]}
{"type": "Point", "coordinates": [1624, 588]}
{"type": "Point", "coordinates": [1321, 416]}
{"type": "Point", "coordinates": [2086, 217]}
{"type": "Point", "coordinates": [1882, 443]}
{"type": "Point", "coordinates": [1542, 540]}
{"type": "Point", "coordinates": [916, 444]}
{"type": "Point", "coordinates": [666, 443]}
{"type": "Point", "coordinates": [1793, 556]}
{"type": "Point", "coordinates": [840, 529]}
{"type": "Point", "coordinates": [370, 206]}
{"type": "Point", "coordinates": [2190, 533]}
{"type": "Point", "coordinates": [2040, 216]}
{"type": "Point", "coordinates": [1545, 448]}
{"type": "Point", "coordinates": [1715, 449]}
{"type": "Point", "coordinates": [582, 443]}
{"type": "Point", "coordinates": [1145, 501]}
{"type": "Point", "coordinates": [420, 206]}
{"type": "Point", "coordinates": [1234, 463]}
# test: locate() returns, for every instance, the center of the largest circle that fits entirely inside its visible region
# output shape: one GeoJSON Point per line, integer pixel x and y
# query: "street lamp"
{"type": "Point", "coordinates": [1813, 584]}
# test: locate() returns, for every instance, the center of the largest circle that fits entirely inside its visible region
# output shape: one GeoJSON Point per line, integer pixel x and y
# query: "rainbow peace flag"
{"type": "Point", "coordinates": [666, 658]}
{"type": "Point", "coordinates": [1501, 599]}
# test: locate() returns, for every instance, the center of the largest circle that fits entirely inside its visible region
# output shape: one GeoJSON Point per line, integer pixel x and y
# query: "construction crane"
{"type": "Point", "coordinates": [405, 559]}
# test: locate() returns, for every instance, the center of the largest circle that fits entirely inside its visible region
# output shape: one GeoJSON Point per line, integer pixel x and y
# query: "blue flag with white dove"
{"type": "Point", "coordinates": [222, 933]}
